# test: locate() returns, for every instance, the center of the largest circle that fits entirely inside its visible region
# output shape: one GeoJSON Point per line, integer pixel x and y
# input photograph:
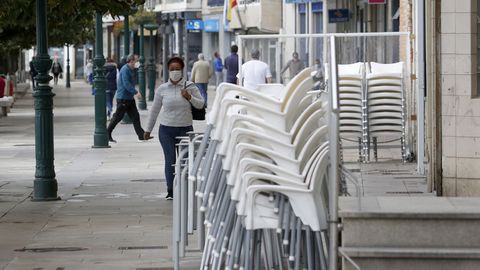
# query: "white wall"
{"type": "Point", "coordinates": [460, 109]}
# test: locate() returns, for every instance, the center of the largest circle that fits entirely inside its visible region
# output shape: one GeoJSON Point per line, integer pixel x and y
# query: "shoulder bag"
{"type": "Point", "coordinates": [197, 114]}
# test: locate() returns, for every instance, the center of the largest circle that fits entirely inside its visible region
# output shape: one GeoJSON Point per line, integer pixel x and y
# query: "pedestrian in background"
{"type": "Point", "coordinates": [111, 77]}
{"type": "Point", "coordinates": [255, 72]}
{"type": "Point", "coordinates": [231, 65]}
{"type": "Point", "coordinates": [218, 67]}
{"type": "Point", "coordinates": [125, 99]}
{"type": "Point", "coordinates": [176, 97]}
{"type": "Point", "coordinates": [294, 66]}
{"type": "Point", "coordinates": [201, 73]}
{"type": "Point", "coordinates": [33, 73]}
{"type": "Point", "coordinates": [88, 69]}
{"type": "Point", "coordinates": [56, 70]}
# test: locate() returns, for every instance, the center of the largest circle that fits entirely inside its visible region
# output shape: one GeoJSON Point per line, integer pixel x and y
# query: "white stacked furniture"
{"type": "Point", "coordinates": [260, 174]}
{"type": "Point", "coordinates": [385, 97]}
{"type": "Point", "coordinates": [351, 99]}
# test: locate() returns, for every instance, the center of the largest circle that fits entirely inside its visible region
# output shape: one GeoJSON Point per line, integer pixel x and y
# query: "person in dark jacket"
{"type": "Point", "coordinates": [125, 99]}
{"type": "Point", "coordinates": [111, 77]}
{"type": "Point", "coordinates": [33, 73]}
{"type": "Point", "coordinates": [231, 65]}
{"type": "Point", "coordinates": [56, 70]}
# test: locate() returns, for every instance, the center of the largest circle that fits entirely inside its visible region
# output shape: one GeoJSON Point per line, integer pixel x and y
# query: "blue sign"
{"type": "Point", "coordinates": [338, 15]}
{"type": "Point", "coordinates": [194, 25]}
{"type": "Point", "coordinates": [211, 25]}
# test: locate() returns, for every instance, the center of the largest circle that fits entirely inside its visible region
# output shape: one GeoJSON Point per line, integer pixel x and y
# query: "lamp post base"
{"type": "Point", "coordinates": [45, 190]}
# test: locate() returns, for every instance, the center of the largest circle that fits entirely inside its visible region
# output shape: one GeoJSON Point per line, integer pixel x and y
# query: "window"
{"type": "Point", "coordinates": [215, 3]}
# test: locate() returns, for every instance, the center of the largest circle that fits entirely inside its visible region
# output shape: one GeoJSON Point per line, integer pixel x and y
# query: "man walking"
{"type": "Point", "coordinates": [56, 70]}
{"type": "Point", "coordinates": [294, 66]}
{"type": "Point", "coordinates": [201, 73]}
{"type": "Point", "coordinates": [33, 73]}
{"type": "Point", "coordinates": [218, 66]}
{"type": "Point", "coordinates": [231, 65]}
{"type": "Point", "coordinates": [125, 99]}
{"type": "Point", "coordinates": [255, 72]}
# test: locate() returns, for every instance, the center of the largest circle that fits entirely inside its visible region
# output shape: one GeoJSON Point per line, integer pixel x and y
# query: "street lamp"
{"type": "Point", "coordinates": [45, 185]}
{"type": "Point", "coordinates": [126, 50]}
{"type": "Point", "coordinates": [151, 66]}
{"type": "Point", "coordinates": [142, 103]}
{"type": "Point", "coordinates": [67, 85]}
{"type": "Point", "coordinates": [100, 136]}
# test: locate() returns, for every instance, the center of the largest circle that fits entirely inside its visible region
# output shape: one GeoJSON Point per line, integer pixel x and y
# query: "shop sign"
{"type": "Point", "coordinates": [338, 15]}
{"type": "Point", "coordinates": [211, 25]}
{"type": "Point", "coordinates": [194, 25]}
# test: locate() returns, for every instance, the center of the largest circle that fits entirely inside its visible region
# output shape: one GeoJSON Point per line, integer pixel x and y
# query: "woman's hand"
{"type": "Point", "coordinates": [146, 136]}
{"type": "Point", "coordinates": [186, 95]}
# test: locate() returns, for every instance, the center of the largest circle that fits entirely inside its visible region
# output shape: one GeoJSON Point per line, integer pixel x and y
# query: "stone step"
{"type": "Point", "coordinates": [410, 222]}
{"type": "Point", "coordinates": [382, 258]}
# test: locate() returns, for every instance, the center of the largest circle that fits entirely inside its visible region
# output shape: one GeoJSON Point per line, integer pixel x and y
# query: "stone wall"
{"type": "Point", "coordinates": [460, 104]}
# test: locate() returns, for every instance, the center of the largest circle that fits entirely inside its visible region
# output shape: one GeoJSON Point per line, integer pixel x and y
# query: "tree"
{"type": "Point", "coordinates": [69, 21]}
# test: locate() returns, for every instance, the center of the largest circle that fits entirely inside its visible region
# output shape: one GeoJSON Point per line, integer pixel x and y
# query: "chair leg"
{"type": "Point", "coordinates": [298, 243]}
{"type": "Point", "coordinates": [360, 156]}
{"type": "Point", "coordinates": [310, 258]}
{"type": "Point", "coordinates": [323, 258]}
{"type": "Point", "coordinates": [248, 244]}
{"type": "Point", "coordinates": [291, 254]}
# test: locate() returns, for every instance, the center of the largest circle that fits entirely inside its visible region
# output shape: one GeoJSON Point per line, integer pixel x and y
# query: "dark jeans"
{"type": "Point", "coordinates": [55, 78]}
{"type": "Point", "coordinates": [203, 91]}
{"type": "Point", "coordinates": [167, 136]}
{"type": "Point", "coordinates": [130, 107]}
{"type": "Point", "coordinates": [110, 95]}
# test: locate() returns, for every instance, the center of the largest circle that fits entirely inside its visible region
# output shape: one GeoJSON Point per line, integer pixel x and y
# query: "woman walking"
{"type": "Point", "coordinates": [176, 97]}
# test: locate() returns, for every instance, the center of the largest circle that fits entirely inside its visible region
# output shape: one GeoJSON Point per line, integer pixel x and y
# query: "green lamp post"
{"type": "Point", "coordinates": [142, 103]}
{"type": "Point", "coordinates": [100, 136]}
{"type": "Point", "coordinates": [45, 185]}
{"type": "Point", "coordinates": [126, 52]}
{"type": "Point", "coordinates": [67, 84]}
{"type": "Point", "coordinates": [151, 65]}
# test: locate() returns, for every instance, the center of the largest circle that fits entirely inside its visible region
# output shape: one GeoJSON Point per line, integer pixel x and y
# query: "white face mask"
{"type": "Point", "coordinates": [175, 75]}
{"type": "Point", "coordinates": [137, 64]}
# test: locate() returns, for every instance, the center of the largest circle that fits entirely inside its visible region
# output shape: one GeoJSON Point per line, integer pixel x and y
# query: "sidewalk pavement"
{"type": "Point", "coordinates": [112, 215]}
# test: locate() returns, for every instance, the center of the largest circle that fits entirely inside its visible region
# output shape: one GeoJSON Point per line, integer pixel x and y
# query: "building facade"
{"type": "Point", "coordinates": [458, 102]}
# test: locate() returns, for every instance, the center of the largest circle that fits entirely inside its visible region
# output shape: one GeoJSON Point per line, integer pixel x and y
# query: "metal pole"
{"type": "Point", "coordinates": [152, 71]}
{"type": "Point", "coordinates": [67, 85]}
{"type": "Point", "coordinates": [165, 51]}
{"type": "Point", "coordinates": [334, 161]}
{"type": "Point", "coordinates": [126, 52]}
{"type": "Point", "coordinates": [420, 48]}
{"type": "Point", "coordinates": [142, 103]}
{"type": "Point", "coordinates": [126, 38]}
{"type": "Point", "coordinates": [100, 136]}
{"type": "Point", "coordinates": [45, 185]}
{"type": "Point", "coordinates": [325, 31]}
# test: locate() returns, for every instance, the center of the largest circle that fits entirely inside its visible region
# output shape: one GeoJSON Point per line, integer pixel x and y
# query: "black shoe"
{"type": "Point", "coordinates": [169, 196]}
{"type": "Point", "coordinates": [110, 138]}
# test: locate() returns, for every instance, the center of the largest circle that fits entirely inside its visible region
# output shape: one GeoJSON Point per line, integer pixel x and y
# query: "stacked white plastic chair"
{"type": "Point", "coordinates": [386, 105]}
{"type": "Point", "coordinates": [260, 173]}
{"type": "Point", "coordinates": [351, 98]}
